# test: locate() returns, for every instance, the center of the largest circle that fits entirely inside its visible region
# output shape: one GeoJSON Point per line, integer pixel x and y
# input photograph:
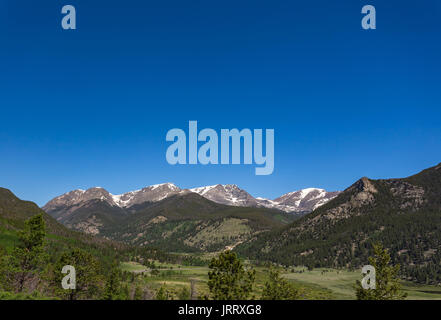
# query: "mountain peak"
{"type": "Point", "coordinates": [364, 185]}
{"type": "Point", "coordinates": [229, 194]}
{"type": "Point", "coordinates": [307, 199]}
{"type": "Point", "coordinates": [163, 185]}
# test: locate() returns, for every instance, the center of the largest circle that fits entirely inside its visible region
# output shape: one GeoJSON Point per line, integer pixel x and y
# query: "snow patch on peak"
{"type": "Point", "coordinates": [307, 199]}
{"type": "Point", "coordinates": [309, 190]}
{"type": "Point", "coordinates": [167, 184]}
{"type": "Point", "coordinates": [203, 190]}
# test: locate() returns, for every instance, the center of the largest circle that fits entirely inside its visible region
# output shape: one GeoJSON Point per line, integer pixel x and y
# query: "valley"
{"type": "Point", "coordinates": [161, 238]}
{"type": "Point", "coordinates": [317, 284]}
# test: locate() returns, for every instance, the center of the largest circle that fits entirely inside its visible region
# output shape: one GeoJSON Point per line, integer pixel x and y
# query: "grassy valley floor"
{"type": "Point", "coordinates": [320, 283]}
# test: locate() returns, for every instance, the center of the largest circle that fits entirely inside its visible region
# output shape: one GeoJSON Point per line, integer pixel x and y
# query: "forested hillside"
{"type": "Point", "coordinates": [403, 214]}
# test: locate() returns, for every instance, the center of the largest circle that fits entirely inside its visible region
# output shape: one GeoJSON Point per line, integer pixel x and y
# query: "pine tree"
{"type": "Point", "coordinates": [27, 260]}
{"type": "Point", "coordinates": [278, 288]}
{"type": "Point", "coordinates": [113, 290]}
{"type": "Point", "coordinates": [3, 269]}
{"type": "Point", "coordinates": [162, 294]}
{"type": "Point", "coordinates": [138, 295]}
{"type": "Point", "coordinates": [387, 281]}
{"type": "Point", "coordinates": [228, 279]}
{"type": "Point", "coordinates": [88, 280]}
{"type": "Point", "coordinates": [184, 294]}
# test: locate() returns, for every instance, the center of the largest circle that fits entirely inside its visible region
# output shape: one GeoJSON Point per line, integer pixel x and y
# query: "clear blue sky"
{"type": "Point", "coordinates": [91, 107]}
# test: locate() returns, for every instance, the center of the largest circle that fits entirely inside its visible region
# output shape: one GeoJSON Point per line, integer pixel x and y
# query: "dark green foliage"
{"type": "Point", "coordinates": [4, 295]}
{"type": "Point", "coordinates": [88, 278]}
{"type": "Point", "coordinates": [277, 288]}
{"type": "Point", "coordinates": [138, 294]}
{"type": "Point", "coordinates": [22, 269]}
{"type": "Point", "coordinates": [113, 289]}
{"type": "Point", "coordinates": [228, 278]}
{"type": "Point", "coordinates": [387, 280]}
{"type": "Point", "coordinates": [184, 293]}
{"type": "Point", "coordinates": [162, 294]}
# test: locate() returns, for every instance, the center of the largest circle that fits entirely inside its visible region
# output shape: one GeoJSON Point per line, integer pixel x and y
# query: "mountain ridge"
{"type": "Point", "coordinates": [185, 222]}
{"type": "Point", "coordinates": [296, 202]}
{"type": "Point", "coordinates": [404, 214]}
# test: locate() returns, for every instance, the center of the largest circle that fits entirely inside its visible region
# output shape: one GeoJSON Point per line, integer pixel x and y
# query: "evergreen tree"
{"type": "Point", "coordinates": [278, 288]}
{"type": "Point", "coordinates": [3, 269]}
{"type": "Point", "coordinates": [22, 269]}
{"type": "Point", "coordinates": [228, 279]}
{"type": "Point", "coordinates": [125, 292]}
{"type": "Point", "coordinates": [138, 295]}
{"type": "Point", "coordinates": [88, 280]}
{"type": "Point", "coordinates": [162, 294]}
{"type": "Point", "coordinates": [387, 281]}
{"type": "Point", "coordinates": [184, 294]}
{"type": "Point", "coordinates": [113, 290]}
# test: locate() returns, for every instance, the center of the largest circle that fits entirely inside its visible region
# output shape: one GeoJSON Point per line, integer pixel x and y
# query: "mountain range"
{"type": "Point", "coordinates": [205, 218]}
{"type": "Point", "coordinates": [183, 221]}
{"type": "Point", "coordinates": [301, 201]}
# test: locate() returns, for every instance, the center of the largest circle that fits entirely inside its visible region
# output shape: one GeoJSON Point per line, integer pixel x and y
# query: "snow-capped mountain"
{"type": "Point", "coordinates": [77, 197]}
{"type": "Point", "coordinates": [153, 193]}
{"type": "Point", "coordinates": [228, 194]}
{"type": "Point", "coordinates": [305, 200]}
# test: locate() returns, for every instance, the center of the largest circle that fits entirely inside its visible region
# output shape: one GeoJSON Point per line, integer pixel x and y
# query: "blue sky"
{"type": "Point", "coordinates": [91, 107]}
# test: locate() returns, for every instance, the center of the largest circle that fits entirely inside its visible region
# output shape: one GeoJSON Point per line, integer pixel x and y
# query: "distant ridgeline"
{"type": "Point", "coordinates": [183, 222]}
{"type": "Point", "coordinates": [205, 219]}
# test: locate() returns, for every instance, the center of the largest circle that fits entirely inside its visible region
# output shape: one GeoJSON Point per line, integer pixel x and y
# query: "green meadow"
{"type": "Point", "coordinates": [322, 283]}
